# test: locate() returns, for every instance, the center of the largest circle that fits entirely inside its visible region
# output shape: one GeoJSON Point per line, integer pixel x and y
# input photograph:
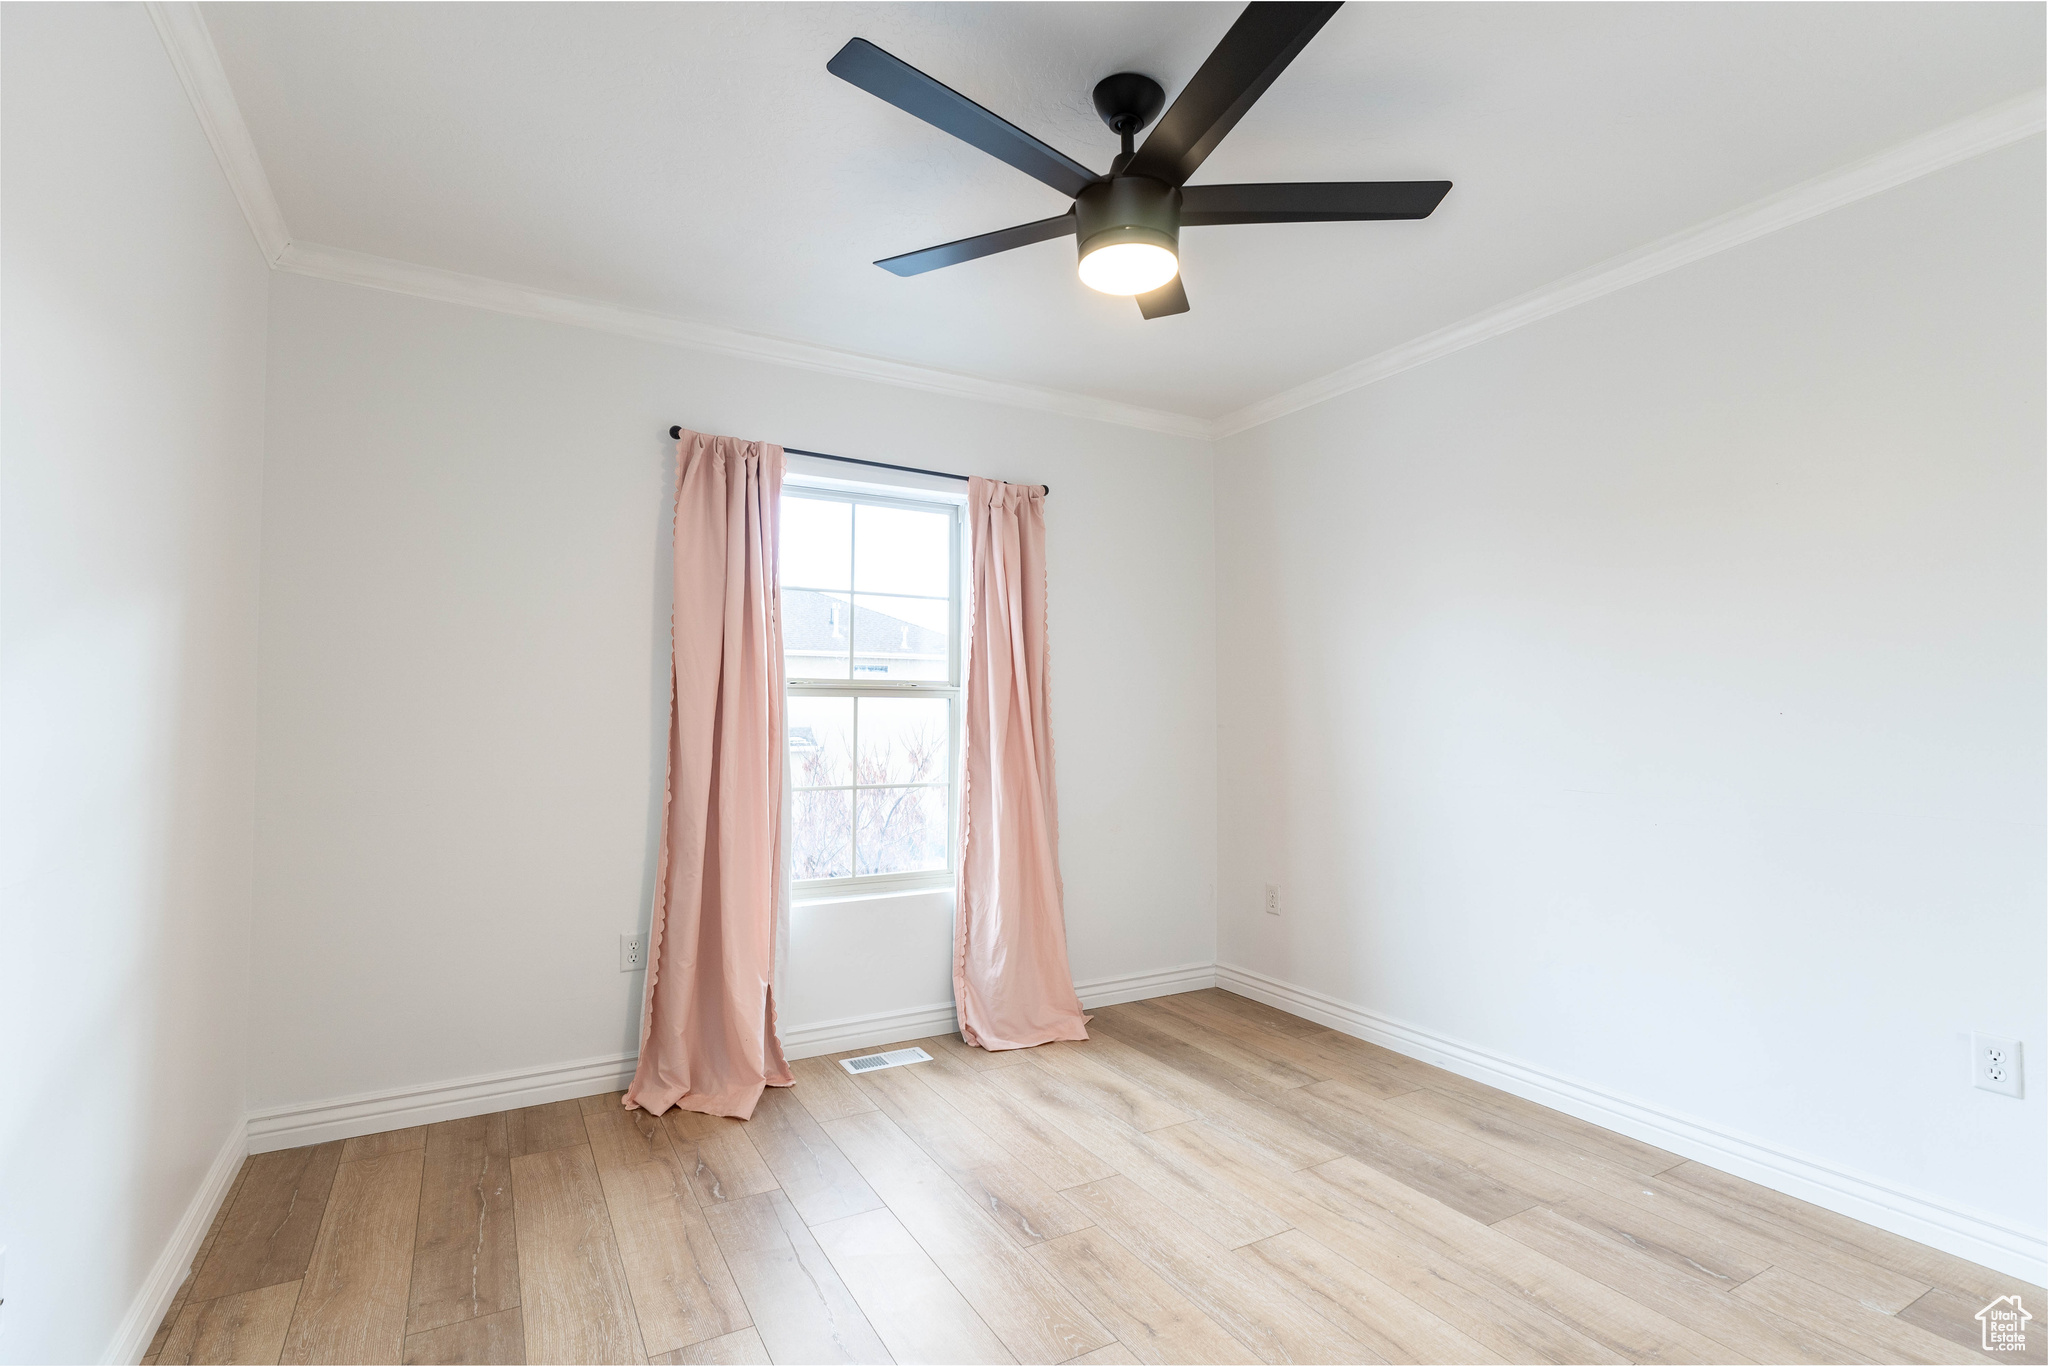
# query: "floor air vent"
{"type": "Point", "coordinates": [895, 1057]}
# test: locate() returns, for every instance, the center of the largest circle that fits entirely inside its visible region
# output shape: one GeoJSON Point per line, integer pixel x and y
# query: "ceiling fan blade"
{"type": "Point", "coordinates": [988, 244]}
{"type": "Point", "coordinates": [1336, 201]}
{"type": "Point", "coordinates": [903, 85]}
{"type": "Point", "coordinates": [1165, 301]}
{"type": "Point", "coordinates": [1265, 38]}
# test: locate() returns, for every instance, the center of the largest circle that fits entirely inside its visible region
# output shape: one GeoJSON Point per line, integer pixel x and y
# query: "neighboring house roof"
{"type": "Point", "coordinates": [807, 618]}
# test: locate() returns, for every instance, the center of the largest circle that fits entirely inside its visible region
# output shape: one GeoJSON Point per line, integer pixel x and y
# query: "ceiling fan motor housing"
{"type": "Point", "coordinates": [1128, 208]}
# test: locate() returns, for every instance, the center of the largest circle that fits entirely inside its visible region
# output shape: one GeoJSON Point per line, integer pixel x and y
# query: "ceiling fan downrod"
{"type": "Point", "coordinates": [1127, 102]}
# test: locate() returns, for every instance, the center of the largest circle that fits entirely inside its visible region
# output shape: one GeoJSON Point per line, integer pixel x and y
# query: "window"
{"type": "Point", "coordinates": [871, 644]}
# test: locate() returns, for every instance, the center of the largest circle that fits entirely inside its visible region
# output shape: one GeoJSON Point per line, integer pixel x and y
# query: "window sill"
{"type": "Point", "coordinates": [870, 889]}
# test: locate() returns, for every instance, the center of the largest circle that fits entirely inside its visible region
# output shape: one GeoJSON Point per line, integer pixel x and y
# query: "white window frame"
{"type": "Point", "coordinates": [834, 888]}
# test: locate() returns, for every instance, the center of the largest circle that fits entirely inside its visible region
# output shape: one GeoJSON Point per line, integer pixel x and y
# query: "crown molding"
{"type": "Point", "coordinates": [197, 63]}
{"type": "Point", "coordinates": [1981, 132]}
{"type": "Point", "coordinates": [500, 296]}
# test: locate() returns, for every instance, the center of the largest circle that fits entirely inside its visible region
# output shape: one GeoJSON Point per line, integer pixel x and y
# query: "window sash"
{"type": "Point", "coordinates": [857, 883]}
{"type": "Point", "coordinates": [954, 577]}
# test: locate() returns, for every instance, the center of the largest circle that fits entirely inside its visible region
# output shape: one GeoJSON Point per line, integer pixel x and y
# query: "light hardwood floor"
{"type": "Point", "coordinates": [1206, 1180]}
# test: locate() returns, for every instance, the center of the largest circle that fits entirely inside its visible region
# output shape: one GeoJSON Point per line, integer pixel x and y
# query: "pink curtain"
{"type": "Point", "coordinates": [707, 1033]}
{"type": "Point", "coordinates": [1011, 983]}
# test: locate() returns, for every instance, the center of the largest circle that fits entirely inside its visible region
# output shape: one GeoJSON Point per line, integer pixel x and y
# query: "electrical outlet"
{"type": "Point", "coordinates": [1995, 1064]}
{"type": "Point", "coordinates": [632, 952]}
{"type": "Point", "coordinates": [1272, 899]}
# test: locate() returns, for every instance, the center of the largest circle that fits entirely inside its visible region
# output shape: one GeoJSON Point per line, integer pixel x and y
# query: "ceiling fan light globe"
{"type": "Point", "coordinates": [1128, 268]}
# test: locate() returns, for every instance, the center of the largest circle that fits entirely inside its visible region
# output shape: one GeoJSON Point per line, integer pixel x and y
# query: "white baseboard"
{"type": "Point", "coordinates": [153, 1300]}
{"type": "Point", "coordinates": [1896, 1209]}
{"type": "Point", "coordinates": [918, 1022]}
{"type": "Point", "coordinates": [2015, 1251]}
{"type": "Point", "coordinates": [292, 1126]}
{"type": "Point", "coordinates": [1138, 986]}
{"type": "Point", "coordinates": [859, 1031]}
{"type": "Point", "coordinates": [1978, 1237]}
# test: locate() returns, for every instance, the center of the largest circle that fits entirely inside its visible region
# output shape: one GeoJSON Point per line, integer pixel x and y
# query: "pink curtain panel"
{"type": "Point", "coordinates": [1011, 983]}
{"type": "Point", "coordinates": [707, 1032]}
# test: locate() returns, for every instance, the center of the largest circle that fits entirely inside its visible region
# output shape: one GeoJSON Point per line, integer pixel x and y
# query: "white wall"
{"type": "Point", "coordinates": [1654, 694]}
{"type": "Point", "coordinates": [465, 683]}
{"type": "Point", "coordinates": [129, 498]}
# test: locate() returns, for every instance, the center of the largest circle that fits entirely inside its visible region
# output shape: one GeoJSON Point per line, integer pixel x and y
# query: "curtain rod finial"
{"type": "Point", "coordinates": [675, 433]}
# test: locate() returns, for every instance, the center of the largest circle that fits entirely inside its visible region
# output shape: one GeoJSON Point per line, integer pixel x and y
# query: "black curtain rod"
{"type": "Point", "coordinates": [676, 434]}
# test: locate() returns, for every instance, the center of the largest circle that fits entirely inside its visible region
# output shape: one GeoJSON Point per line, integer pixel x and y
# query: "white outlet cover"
{"type": "Point", "coordinates": [632, 952]}
{"type": "Point", "coordinates": [1272, 899]}
{"type": "Point", "coordinates": [1995, 1064]}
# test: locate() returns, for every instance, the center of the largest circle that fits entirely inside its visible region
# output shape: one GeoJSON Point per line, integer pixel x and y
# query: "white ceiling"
{"type": "Point", "coordinates": [697, 160]}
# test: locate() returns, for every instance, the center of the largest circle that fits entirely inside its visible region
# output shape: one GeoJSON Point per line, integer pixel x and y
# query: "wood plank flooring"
{"type": "Point", "coordinates": [1205, 1180]}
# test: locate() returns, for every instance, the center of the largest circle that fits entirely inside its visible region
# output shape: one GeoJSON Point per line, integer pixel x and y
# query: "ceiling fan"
{"type": "Point", "coordinates": [1128, 222]}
